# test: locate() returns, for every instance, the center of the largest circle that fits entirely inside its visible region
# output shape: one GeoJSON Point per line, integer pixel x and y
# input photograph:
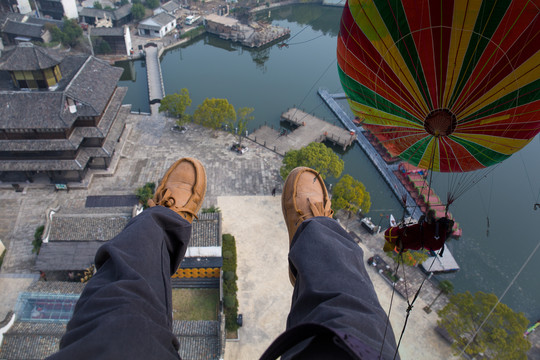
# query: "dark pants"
{"type": "Point", "coordinates": [125, 309]}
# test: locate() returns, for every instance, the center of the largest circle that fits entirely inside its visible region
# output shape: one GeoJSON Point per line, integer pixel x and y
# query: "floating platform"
{"type": "Point", "coordinates": [308, 129]}
{"type": "Point", "coordinates": [440, 264]}
{"type": "Point", "coordinates": [254, 34]}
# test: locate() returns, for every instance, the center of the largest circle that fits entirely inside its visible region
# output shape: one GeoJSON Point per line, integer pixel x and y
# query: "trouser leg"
{"type": "Point", "coordinates": [332, 286]}
{"type": "Point", "coordinates": [125, 310]}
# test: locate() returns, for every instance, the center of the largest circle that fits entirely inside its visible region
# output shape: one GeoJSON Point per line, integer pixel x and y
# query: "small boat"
{"type": "Point", "coordinates": [392, 221]}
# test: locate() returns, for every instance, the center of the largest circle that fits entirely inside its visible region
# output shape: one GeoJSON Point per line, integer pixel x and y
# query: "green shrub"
{"type": "Point", "coordinates": [212, 209]}
{"type": "Point", "coordinates": [37, 239]}
{"type": "Point", "coordinates": [145, 193]}
{"type": "Point", "coordinates": [228, 275]}
{"type": "Point", "coordinates": [230, 301]}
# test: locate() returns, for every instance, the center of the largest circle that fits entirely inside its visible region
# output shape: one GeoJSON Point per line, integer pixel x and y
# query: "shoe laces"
{"type": "Point", "coordinates": [317, 209]}
{"type": "Point", "coordinates": [165, 198]}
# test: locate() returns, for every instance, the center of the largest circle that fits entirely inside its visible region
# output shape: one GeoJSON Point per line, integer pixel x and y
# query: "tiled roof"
{"type": "Point", "coordinates": [102, 13]}
{"type": "Point", "coordinates": [94, 227]}
{"type": "Point", "coordinates": [206, 230]}
{"type": "Point", "coordinates": [26, 56]}
{"type": "Point", "coordinates": [56, 287]}
{"type": "Point", "coordinates": [107, 126]}
{"type": "Point", "coordinates": [57, 256]}
{"type": "Point", "coordinates": [122, 11]}
{"type": "Point", "coordinates": [23, 29]}
{"type": "Point", "coordinates": [79, 163]}
{"type": "Point", "coordinates": [92, 91]}
{"type": "Point", "coordinates": [170, 6]}
{"type": "Point", "coordinates": [199, 340]}
{"type": "Point", "coordinates": [74, 239]}
{"type": "Point", "coordinates": [39, 109]}
{"type": "Point", "coordinates": [103, 31]}
{"type": "Point", "coordinates": [163, 18]}
{"type": "Point", "coordinates": [157, 21]}
{"type": "Point", "coordinates": [43, 21]}
{"type": "Point", "coordinates": [31, 341]}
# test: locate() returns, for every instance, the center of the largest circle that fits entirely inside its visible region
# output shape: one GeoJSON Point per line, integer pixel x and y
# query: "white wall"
{"type": "Point", "coordinates": [127, 39]}
{"type": "Point", "coordinates": [24, 6]}
{"type": "Point", "coordinates": [70, 9]}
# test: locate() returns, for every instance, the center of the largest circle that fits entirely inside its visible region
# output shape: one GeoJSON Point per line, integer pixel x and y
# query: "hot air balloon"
{"type": "Point", "coordinates": [450, 86]}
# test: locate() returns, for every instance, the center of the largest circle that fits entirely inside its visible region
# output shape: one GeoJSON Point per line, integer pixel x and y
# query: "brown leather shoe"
{"type": "Point", "coordinates": [182, 189]}
{"type": "Point", "coordinates": [304, 196]}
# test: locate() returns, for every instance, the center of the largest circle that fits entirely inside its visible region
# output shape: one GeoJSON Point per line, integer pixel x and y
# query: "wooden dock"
{"type": "Point", "coordinates": [308, 129]}
{"type": "Point", "coordinates": [385, 170]}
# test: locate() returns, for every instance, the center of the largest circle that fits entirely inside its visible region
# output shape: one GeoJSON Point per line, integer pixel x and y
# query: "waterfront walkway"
{"type": "Point", "coordinates": [308, 129]}
{"type": "Point", "coordinates": [156, 90]}
{"type": "Point", "coordinates": [385, 170]}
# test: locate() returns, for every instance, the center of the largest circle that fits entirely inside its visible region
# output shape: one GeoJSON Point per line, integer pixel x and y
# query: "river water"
{"type": "Point", "coordinates": [273, 79]}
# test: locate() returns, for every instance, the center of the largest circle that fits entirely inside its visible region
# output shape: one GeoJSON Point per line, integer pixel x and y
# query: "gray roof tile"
{"type": "Point", "coordinates": [92, 227]}
{"type": "Point", "coordinates": [26, 56]}
{"type": "Point", "coordinates": [199, 340]}
{"type": "Point", "coordinates": [23, 29]}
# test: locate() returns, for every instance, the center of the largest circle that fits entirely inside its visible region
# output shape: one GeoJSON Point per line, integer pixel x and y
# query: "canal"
{"type": "Point", "coordinates": [276, 78]}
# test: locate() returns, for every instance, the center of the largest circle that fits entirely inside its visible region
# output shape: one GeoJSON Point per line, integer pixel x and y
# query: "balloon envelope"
{"type": "Point", "coordinates": [449, 85]}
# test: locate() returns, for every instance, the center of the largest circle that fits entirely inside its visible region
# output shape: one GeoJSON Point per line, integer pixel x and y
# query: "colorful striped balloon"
{"type": "Point", "coordinates": [447, 85]}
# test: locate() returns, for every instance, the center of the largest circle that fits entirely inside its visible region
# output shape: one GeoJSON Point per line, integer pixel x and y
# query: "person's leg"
{"type": "Point", "coordinates": [331, 285]}
{"type": "Point", "coordinates": [125, 309]}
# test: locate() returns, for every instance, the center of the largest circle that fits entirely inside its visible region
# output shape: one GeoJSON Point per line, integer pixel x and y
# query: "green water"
{"type": "Point", "coordinates": [273, 79]}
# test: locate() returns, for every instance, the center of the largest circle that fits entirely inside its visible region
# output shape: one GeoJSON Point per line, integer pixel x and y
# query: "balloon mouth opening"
{"type": "Point", "coordinates": [440, 122]}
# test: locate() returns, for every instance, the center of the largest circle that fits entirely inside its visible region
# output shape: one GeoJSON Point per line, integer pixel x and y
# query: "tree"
{"type": "Point", "coordinates": [152, 4]}
{"type": "Point", "coordinates": [56, 33]}
{"type": "Point", "coordinates": [124, 2]}
{"type": "Point", "coordinates": [351, 195]}
{"type": "Point", "coordinates": [409, 258]}
{"type": "Point", "coordinates": [97, 5]}
{"type": "Point", "coordinates": [316, 156]}
{"type": "Point", "coordinates": [239, 125]}
{"type": "Point", "coordinates": [101, 46]}
{"type": "Point", "coordinates": [137, 10]}
{"type": "Point", "coordinates": [214, 113]}
{"type": "Point", "coordinates": [444, 286]}
{"type": "Point", "coordinates": [175, 105]}
{"type": "Point", "coordinates": [501, 336]}
{"type": "Point", "coordinates": [71, 32]}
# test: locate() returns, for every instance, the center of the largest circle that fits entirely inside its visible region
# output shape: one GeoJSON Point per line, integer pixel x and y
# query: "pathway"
{"type": "Point", "coordinates": [156, 90]}
{"type": "Point", "coordinates": [308, 129]}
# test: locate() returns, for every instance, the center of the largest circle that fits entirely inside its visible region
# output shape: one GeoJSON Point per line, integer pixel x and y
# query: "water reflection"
{"type": "Point", "coordinates": [319, 18]}
{"type": "Point", "coordinates": [129, 74]}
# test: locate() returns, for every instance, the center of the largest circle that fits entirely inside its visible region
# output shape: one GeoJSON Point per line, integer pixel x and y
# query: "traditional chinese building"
{"type": "Point", "coordinates": [61, 116]}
